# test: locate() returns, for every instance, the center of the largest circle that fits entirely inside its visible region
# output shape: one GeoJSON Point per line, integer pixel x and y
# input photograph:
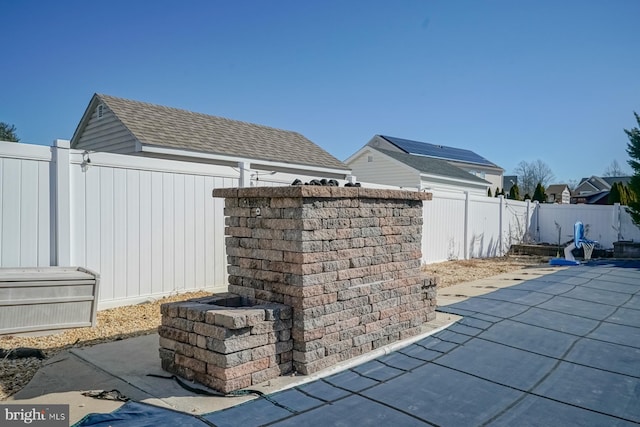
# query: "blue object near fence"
{"type": "Point", "coordinates": [562, 261]}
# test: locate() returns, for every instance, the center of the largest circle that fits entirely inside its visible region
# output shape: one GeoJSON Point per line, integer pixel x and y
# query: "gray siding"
{"type": "Point", "coordinates": [383, 170]}
{"type": "Point", "coordinates": [106, 134]}
{"type": "Point", "coordinates": [490, 174]}
{"type": "Point", "coordinates": [584, 188]}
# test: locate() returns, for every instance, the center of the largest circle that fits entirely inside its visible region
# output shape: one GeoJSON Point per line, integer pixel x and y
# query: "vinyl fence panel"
{"type": "Point", "coordinates": [605, 224]}
{"type": "Point", "coordinates": [484, 234]}
{"type": "Point", "coordinates": [628, 230]}
{"type": "Point", "coordinates": [148, 227]}
{"type": "Point", "coordinates": [443, 234]}
{"type": "Point", "coordinates": [25, 209]}
{"type": "Point", "coordinates": [558, 219]}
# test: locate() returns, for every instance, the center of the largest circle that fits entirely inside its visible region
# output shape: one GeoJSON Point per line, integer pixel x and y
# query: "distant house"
{"type": "Point", "coordinates": [125, 126]}
{"type": "Point", "coordinates": [558, 193]}
{"type": "Point", "coordinates": [465, 160]}
{"type": "Point", "coordinates": [595, 190]}
{"type": "Point", "coordinates": [377, 165]}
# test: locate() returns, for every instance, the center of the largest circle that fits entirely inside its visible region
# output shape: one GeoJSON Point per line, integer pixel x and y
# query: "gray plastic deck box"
{"type": "Point", "coordinates": [47, 298]}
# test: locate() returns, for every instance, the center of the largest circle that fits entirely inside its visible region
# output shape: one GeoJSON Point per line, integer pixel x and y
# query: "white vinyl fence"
{"type": "Point", "coordinates": [605, 224]}
{"type": "Point", "coordinates": [463, 226]}
{"type": "Point", "coordinates": [25, 206]}
{"type": "Point", "coordinates": [150, 227]}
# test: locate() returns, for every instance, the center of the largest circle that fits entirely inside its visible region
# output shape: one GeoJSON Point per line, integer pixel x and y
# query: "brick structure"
{"type": "Point", "coordinates": [226, 342]}
{"type": "Point", "coordinates": [347, 260]}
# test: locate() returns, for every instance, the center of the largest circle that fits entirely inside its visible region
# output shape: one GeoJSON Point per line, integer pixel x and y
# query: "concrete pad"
{"type": "Point", "coordinates": [121, 365]}
{"type": "Point", "coordinates": [456, 293]}
{"type": "Point", "coordinates": [79, 405]}
{"type": "Point", "coordinates": [61, 381]}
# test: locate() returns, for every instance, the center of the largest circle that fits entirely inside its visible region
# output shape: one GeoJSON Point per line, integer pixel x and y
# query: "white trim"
{"type": "Point", "coordinates": [19, 150]}
{"type": "Point", "coordinates": [589, 184]}
{"type": "Point", "coordinates": [62, 143]}
{"type": "Point", "coordinates": [62, 195]}
{"type": "Point", "coordinates": [455, 180]}
{"type": "Point", "coordinates": [461, 164]}
{"type": "Point", "coordinates": [357, 154]}
{"type": "Point", "coordinates": [245, 174]}
{"type": "Point", "coordinates": [234, 159]}
{"type": "Point", "coordinates": [602, 181]}
{"type": "Point", "coordinates": [127, 161]}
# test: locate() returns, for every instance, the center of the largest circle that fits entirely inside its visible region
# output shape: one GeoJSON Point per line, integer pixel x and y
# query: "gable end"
{"type": "Point", "coordinates": [101, 130]}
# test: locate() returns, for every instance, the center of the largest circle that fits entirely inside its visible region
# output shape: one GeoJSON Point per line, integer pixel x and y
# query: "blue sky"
{"type": "Point", "coordinates": [510, 80]}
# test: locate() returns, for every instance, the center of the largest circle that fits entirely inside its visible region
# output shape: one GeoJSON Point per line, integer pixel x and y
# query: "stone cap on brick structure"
{"type": "Point", "coordinates": [321, 192]}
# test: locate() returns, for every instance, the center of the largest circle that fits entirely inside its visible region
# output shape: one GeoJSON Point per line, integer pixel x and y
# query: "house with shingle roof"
{"type": "Point", "coordinates": [464, 159]}
{"type": "Point", "coordinates": [412, 164]}
{"type": "Point", "coordinates": [409, 171]}
{"type": "Point", "coordinates": [595, 189]}
{"type": "Point", "coordinates": [558, 193]}
{"type": "Point", "coordinates": [124, 126]}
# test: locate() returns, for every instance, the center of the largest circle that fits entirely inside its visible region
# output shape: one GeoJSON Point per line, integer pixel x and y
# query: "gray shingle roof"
{"type": "Point", "coordinates": [556, 188]}
{"type": "Point", "coordinates": [613, 179]}
{"type": "Point", "coordinates": [432, 166]}
{"type": "Point", "coordinates": [168, 127]}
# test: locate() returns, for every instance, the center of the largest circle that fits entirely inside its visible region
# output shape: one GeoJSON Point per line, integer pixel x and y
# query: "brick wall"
{"type": "Point", "coordinates": [225, 341]}
{"type": "Point", "coordinates": [347, 260]}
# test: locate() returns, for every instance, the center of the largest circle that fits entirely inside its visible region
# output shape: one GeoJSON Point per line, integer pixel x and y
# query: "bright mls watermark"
{"type": "Point", "coordinates": [34, 415]}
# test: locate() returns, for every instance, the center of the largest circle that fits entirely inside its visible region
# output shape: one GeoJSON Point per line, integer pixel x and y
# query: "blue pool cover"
{"type": "Point", "coordinates": [561, 349]}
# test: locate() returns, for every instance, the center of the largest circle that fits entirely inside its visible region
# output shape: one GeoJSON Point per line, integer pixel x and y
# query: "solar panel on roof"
{"type": "Point", "coordinates": [437, 151]}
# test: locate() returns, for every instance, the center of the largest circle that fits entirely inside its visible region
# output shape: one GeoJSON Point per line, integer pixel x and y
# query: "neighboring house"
{"type": "Point", "coordinates": [397, 168]}
{"type": "Point", "coordinates": [592, 185]}
{"type": "Point", "coordinates": [595, 190]}
{"type": "Point", "coordinates": [464, 159]}
{"type": "Point", "coordinates": [124, 126]}
{"type": "Point", "coordinates": [558, 193]}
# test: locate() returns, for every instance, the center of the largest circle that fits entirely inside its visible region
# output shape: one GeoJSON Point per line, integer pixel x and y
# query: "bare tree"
{"type": "Point", "coordinates": [614, 169]}
{"type": "Point", "coordinates": [572, 183]}
{"type": "Point", "coordinates": [530, 174]}
{"type": "Point", "coordinates": [525, 178]}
